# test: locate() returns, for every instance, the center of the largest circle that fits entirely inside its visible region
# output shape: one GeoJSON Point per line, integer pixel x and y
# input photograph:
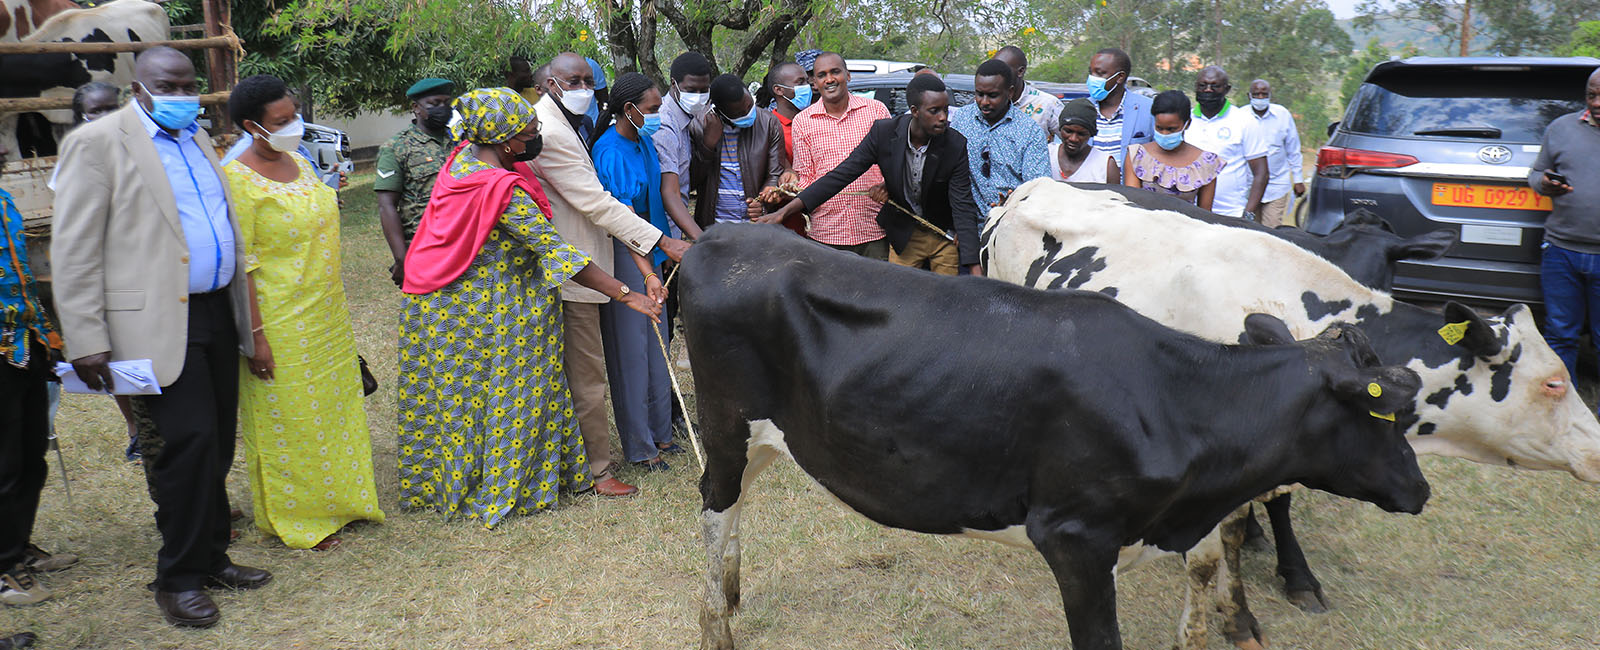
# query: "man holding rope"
{"type": "Point", "coordinates": [929, 215]}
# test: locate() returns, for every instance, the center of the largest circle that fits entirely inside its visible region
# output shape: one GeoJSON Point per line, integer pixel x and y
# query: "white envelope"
{"type": "Point", "coordinates": [132, 377]}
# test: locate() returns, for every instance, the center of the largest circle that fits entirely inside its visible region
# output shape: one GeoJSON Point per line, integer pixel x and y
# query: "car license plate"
{"type": "Point", "coordinates": [1496, 235]}
{"type": "Point", "coordinates": [1499, 197]}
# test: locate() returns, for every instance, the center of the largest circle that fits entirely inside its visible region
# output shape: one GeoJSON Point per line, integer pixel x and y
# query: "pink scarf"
{"type": "Point", "coordinates": [460, 214]}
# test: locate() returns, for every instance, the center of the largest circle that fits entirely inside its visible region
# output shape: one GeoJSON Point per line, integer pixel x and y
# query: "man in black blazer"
{"type": "Point", "coordinates": [925, 172]}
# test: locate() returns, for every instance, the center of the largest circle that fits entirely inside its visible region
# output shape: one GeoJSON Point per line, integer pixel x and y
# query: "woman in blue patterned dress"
{"type": "Point", "coordinates": [486, 420]}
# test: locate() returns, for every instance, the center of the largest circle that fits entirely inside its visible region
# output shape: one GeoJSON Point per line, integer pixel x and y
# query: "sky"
{"type": "Point", "coordinates": [1343, 8]}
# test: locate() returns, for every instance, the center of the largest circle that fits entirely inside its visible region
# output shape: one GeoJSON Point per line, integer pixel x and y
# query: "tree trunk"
{"type": "Point", "coordinates": [1466, 26]}
{"type": "Point", "coordinates": [647, 42]}
{"type": "Point", "coordinates": [621, 39]}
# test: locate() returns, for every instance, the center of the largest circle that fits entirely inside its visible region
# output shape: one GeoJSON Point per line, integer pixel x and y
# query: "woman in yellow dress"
{"type": "Point", "coordinates": [305, 429]}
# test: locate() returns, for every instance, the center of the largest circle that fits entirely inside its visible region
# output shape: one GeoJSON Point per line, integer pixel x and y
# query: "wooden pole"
{"type": "Point", "coordinates": [216, 62]}
{"type": "Point", "coordinates": [215, 42]}
{"type": "Point", "coordinates": [28, 104]}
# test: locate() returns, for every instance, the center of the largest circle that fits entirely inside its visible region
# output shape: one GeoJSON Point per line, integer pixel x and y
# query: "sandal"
{"type": "Point", "coordinates": [671, 449]}
{"type": "Point", "coordinates": [654, 465]}
{"type": "Point", "coordinates": [328, 544]}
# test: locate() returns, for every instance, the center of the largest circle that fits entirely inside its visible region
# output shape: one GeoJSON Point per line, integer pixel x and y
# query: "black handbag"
{"type": "Point", "coordinates": [369, 383]}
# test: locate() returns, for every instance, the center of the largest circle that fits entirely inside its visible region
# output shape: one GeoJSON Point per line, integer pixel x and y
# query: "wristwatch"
{"type": "Point", "coordinates": [624, 293]}
{"type": "Point", "coordinates": [1250, 216]}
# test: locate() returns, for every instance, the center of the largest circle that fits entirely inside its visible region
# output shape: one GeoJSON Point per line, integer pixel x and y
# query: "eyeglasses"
{"type": "Point", "coordinates": [985, 168]}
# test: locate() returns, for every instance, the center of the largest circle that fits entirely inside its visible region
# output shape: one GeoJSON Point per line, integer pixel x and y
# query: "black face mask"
{"type": "Point", "coordinates": [437, 118]}
{"type": "Point", "coordinates": [531, 150]}
{"type": "Point", "coordinates": [1210, 101]}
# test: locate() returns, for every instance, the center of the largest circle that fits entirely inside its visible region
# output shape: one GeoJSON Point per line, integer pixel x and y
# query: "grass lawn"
{"type": "Point", "coordinates": [1500, 559]}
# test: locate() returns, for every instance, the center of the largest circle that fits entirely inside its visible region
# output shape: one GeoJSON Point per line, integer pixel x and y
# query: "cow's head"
{"type": "Point", "coordinates": [1367, 248]}
{"type": "Point", "coordinates": [1355, 448]}
{"type": "Point", "coordinates": [1504, 398]}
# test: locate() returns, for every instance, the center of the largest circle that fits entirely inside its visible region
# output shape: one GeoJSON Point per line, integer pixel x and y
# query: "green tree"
{"type": "Point", "coordinates": [362, 54]}
{"type": "Point", "coordinates": [1498, 27]}
{"type": "Point", "coordinates": [1585, 40]}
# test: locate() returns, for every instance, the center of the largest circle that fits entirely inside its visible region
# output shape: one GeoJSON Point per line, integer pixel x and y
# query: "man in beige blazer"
{"type": "Point", "coordinates": [587, 217]}
{"type": "Point", "coordinates": [149, 264]}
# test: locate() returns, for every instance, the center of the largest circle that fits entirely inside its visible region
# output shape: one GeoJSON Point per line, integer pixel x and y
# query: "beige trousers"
{"type": "Point", "coordinates": [1274, 211]}
{"type": "Point", "coordinates": [940, 254]}
{"type": "Point", "coordinates": [586, 377]}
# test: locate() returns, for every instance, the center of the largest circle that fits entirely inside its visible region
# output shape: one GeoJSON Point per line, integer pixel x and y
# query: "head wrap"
{"type": "Point", "coordinates": [430, 86]}
{"type": "Point", "coordinates": [599, 74]}
{"type": "Point", "coordinates": [807, 59]}
{"type": "Point", "coordinates": [489, 115]}
{"type": "Point", "coordinates": [1081, 112]}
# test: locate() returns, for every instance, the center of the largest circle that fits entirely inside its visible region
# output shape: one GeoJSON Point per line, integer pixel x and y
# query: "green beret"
{"type": "Point", "coordinates": [431, 86]}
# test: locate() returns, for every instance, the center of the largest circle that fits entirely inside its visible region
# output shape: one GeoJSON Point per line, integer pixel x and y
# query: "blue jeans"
{"type": "Point", "coordinates": [1571, 284]}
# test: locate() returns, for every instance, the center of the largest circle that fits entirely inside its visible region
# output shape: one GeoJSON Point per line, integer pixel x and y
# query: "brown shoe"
{"type": "Point", "coordinates": [607, 485]}
{"type": "Point", "coordinates": [240, 577]}
{"type": "Point", "coordinates": [188, 608]}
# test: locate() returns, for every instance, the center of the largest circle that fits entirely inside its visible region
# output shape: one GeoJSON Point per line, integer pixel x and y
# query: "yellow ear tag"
{"type": "Point", "coordinates": [1381, 416]}
{"type": "Point", "coordinates": [1454, 332]}
{"type": "Point", "coordinates": [1374, 389]}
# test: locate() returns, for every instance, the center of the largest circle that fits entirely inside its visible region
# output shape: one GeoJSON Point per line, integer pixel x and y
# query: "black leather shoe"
{"type": "Point", "coordinates": [188, 608]}
{"type": "Point", "coordinates": [240, 577]}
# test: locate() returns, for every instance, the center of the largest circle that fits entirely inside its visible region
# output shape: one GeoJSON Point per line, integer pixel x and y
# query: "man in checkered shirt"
{"type": "Point", "coordinates": [824, 135]}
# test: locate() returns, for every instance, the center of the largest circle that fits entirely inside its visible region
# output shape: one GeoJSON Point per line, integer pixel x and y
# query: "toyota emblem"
{"type": "Point", "coordinates": [1494, 154]}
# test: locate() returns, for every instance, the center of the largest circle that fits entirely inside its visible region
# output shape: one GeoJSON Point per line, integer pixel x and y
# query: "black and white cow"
{"type": "Point", "coordinates": [1063, 422]}
{"type": "Point", "coordinates": [1363, 245]}
{"type": "Point", "coordinates": [58, 75]}
{"type": "Point", "coordinates": [1493, 391]}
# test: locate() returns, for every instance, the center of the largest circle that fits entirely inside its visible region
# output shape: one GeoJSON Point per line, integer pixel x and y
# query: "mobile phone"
{"type": "Point", "coordinates": [1557, 178]}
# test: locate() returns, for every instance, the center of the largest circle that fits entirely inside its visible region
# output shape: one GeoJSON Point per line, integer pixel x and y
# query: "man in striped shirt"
{"type": "Point", "coordinates": [1124, 117]}
{"type": "Point", "coordinates": [741, 147]}
{"type": "Point", "coordinates": [824, 135]}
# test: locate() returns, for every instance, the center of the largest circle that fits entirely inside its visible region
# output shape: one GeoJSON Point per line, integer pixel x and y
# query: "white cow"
{"type": "Point", "coordinates": [1493, 390]}
{"type": "Point", "coordinates": [58, 75]}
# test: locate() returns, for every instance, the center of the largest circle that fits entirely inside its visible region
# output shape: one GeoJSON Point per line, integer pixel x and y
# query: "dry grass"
{"type": "Point", "coordinates": [1500, 559]}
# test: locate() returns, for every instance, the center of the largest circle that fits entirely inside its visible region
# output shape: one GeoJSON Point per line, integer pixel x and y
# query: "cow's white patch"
{"type": "Point", "coordinates": [1205, 278]}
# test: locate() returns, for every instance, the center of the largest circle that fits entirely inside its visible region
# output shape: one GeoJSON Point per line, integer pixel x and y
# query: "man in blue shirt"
{"type": "Point", "coordinates": [166, 283]}
{"type": "Point", "coordinates": [26, 342]}
{"type": "Point", "coordinates": [1004, 148]}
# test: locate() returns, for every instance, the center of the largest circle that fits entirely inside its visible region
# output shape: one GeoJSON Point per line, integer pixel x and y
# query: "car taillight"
{"type": "Point", "coordinates": [1339, 162]}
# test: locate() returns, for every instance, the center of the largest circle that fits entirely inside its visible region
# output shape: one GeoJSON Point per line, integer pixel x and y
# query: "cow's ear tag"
{"type": "Point", "coordinates": [1454, 332]}
{"type": "Point", "coordinates": [1374, 389]}
{"type": "Point", "coordinates": [1381, 416]}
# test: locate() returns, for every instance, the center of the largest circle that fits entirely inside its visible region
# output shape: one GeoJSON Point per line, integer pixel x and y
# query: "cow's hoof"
{"type": "Point", "coordinates": [1310, 601]}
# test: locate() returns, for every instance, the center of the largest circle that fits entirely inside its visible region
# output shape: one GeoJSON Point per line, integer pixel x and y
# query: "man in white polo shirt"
{"type": "Point", "coordinates": [1234, 135]}
{"type": "Point", "coordinates": [1283, 153]}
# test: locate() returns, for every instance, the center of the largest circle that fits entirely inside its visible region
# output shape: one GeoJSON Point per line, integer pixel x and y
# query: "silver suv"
{"type": "Point", "coordinates": [1430, 143]}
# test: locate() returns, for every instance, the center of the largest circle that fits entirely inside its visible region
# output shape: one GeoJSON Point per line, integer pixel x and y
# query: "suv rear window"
{"type": "Point", "coordinates": [1465, 102]}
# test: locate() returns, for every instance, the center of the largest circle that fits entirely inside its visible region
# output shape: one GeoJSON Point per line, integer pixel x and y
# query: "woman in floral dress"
{"type": "Point", "coordinates": [486, 420]}
{"type": "Point", "coordinates": [1169, 165]}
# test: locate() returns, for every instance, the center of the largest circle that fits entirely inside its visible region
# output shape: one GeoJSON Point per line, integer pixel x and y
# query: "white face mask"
{"type": "Point", "coordinates": [577, 100]}
{"type": "Point", "coordinates": [1260, 103]}
{"type": "Point", "coordinates": [695, 104]}
{"type": "Point", "coordinates": [286, 139]}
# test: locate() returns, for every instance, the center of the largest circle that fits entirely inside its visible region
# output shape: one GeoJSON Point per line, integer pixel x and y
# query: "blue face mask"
{"type": "Point", "coordinates": [1168, 141]}
{"type": "Point", "coordinates": [175, 113]}
{"type": "Point", "coordinates": [745, 122]}
{"type": "Point", "coordinates": [652, 123]}
{"type": "Point", "coordinates": [802, 96]}
{"type": "Point", "coordinates": [1097, 87]}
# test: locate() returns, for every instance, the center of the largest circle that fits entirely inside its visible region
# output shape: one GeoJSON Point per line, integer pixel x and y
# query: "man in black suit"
{"type": "Point", "coordinates": [929, 216]}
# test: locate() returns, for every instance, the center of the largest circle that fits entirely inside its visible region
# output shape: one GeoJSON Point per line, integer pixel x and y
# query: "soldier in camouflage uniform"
{"type": "Point", "coordinates": [408, 163]}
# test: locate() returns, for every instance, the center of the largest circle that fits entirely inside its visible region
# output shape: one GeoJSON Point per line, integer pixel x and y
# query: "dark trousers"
{"type": "Point", "coordinates": [196, 419]}
{"type": "Point", "coordinates": [24, 437]}
{"type": "Point", "coordinates": [1571, 283]}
